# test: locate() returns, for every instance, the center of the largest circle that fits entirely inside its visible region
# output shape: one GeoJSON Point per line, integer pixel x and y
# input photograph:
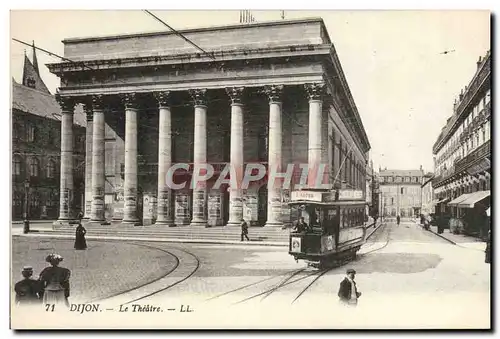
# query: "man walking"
{"type": "Point", "coordinates": [398, 219]}
{"type": "Point", "coordinates": [244, 230]}
{"type": "Point", "coordinates": [348, 292]}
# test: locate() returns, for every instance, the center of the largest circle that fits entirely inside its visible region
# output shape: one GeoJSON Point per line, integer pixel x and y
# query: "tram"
{"type": "Point", "coordinates": [335, 226]}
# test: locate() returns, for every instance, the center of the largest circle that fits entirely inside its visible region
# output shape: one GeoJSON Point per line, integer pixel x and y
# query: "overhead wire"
{"type": "Point", "coordinates": [349, 121]}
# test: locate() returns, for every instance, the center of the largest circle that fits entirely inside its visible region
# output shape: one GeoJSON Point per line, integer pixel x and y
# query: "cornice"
{"type": "Point", "coordinates": [242, 55]}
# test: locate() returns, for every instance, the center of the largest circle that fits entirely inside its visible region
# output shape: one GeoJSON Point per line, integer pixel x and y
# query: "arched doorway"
{"type": "Point", "coordinates": [262, 205]}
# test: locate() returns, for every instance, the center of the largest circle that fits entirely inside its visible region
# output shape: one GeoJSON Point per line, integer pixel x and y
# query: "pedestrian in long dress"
{"type": "Point", "coordinates": [80, 242]}
{"type": "Point", "coordinates": [28, 291]}
{"type": "Point", "coordinates": [348, 292]}
{"type": "Point", "coordinates": [55, 282]}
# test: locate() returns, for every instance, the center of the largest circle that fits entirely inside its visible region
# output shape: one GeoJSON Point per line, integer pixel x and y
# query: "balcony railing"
{"type": "Point", "coordinates": [478, 154]}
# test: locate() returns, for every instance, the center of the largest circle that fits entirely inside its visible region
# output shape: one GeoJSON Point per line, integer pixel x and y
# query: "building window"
{"type": "Point", "coordinates": [51, 169]}
{"type": "Point", "coordinates": [17, 199]}
{"type": "Point", "coordinates": [30, 133]}
{"type": "Point", "coordinates": [34, 167]}
{"type": "Point", "coordinates": [52, 199]}
{"type": "Point", "coordinates": [34, 200]}
{"type": "Point", "coordinates": [17, 165]}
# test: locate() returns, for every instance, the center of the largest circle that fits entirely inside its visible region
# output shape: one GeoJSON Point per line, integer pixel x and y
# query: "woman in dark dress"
{"type": "Point", "coordinates": [55, 282]}
{"type": "Point", "coordinates": [80, 242]}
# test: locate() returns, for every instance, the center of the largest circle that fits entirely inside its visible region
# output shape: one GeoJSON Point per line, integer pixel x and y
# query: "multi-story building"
{"type": "Point", "coordinates": [369, 189]}
{"type": "Point", "coordinates": [272, 93]}
{"type": "Point", "coordinates": [428, 202]}
{"type": "Point", "coordinates": [36, 148]}
{"type": "Point", "coordinates": [401, 192]}
{"type": "Point", "coordinates": [462, 155]}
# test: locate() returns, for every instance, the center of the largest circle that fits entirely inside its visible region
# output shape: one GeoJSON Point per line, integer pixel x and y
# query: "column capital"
{"type": "Point", "coordinates": [97, 102]}
{"type": "Point", "coordinates": [315, 91]}
{"type": "Point", "coordinates": [236, 94]}
{"type": "Point", "coordinates": [67, 103]}
{"type": "Point", "coordinates": [163, 98]}
{"type": "Point", "coordinates": [274, 93]}
{"type": "Point", "coordinates": [199, 96]}
{"type": "Point", "coordinates": [129, 100]}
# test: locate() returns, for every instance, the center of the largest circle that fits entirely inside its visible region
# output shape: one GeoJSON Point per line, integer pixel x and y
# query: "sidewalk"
{"type": "Point", "coordinates": [460, 239]}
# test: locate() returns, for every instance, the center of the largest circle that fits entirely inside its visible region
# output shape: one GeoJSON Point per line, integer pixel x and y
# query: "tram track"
{"type": "Point", "coordinates": [320, 274]}
{"type": "Point", "coordinates": [184, 267]}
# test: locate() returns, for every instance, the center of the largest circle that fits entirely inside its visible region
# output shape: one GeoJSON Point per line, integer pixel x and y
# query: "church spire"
{"type": "Point", "coordinates": [31, 73]}
{"type": "Point", "coordinates": [35, 61]}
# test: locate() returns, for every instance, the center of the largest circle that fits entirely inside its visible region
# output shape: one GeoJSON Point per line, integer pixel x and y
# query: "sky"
{"type": "Point", "coordinates": [402, 82]}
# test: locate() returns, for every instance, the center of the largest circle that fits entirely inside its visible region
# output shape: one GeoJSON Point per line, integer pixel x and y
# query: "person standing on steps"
{"type": "Point", "coordinates": [244, 230]}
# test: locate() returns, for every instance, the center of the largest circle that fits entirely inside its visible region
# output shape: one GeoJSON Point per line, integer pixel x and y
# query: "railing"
{"type": "Point", "coordinates": [481, 152]}
{"type": "Point", "coordinates": [474, 86]}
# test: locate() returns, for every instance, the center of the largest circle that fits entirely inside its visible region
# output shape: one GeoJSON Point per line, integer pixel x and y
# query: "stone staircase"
{"type": "Point", "coordinates": [256, 234]}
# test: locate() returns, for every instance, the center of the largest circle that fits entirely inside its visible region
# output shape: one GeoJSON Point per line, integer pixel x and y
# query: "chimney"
{"type": "Point", "coordinates": [421, 168]}
{"type": "Point", "coordinates": [479, 62]}
{"type": "Point", "coordinates": [461, 95]}
{"type": "Point", "coordinates": [455, 105]}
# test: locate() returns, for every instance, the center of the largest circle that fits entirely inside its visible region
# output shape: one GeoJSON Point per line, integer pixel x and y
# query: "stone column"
{"type": "Point", "coordinates": [164, 204]}
{"type": "Point", "coordinates": [314, 93]}
{"type": "Point", "coordinates": [199, 156]}
{"type": "Point", "coordinates": [236, 193]}
{"type": "Point", "coordinates": [66, 186]}
{"type": "Point", "coordinates": [88, 161]}
{"type": "Point", "coordinates": [130, 177]}
{"type": "Point", "coordinates": [98, 165]}
{"type": "Point", "coordinates": [274, 94]}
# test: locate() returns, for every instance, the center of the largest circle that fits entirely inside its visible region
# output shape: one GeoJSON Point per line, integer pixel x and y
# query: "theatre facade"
{"type": "Point", "coordinates": [271, 93]}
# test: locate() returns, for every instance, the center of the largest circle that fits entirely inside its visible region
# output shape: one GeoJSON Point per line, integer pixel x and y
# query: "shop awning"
{"type": "Point", "coordinates": [473, 199]}
{"type": "Point", "coordinates": [461, 198]}
{"type": "Point", "coordinates": [442, 200]}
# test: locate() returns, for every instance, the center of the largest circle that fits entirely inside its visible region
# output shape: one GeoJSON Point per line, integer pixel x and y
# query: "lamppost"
{"type": "Point", "coordinates": [26, 222]}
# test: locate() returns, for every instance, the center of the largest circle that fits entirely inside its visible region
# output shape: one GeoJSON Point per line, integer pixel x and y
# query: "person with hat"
{"type": "Point", "coordinates": [348, 292]}
{"type": "Point", "coordinates": [27, 290]}
{"type": "Point", "coordinates": [55, 281]}
{"type": "Point", "coordinates": [244, 230]}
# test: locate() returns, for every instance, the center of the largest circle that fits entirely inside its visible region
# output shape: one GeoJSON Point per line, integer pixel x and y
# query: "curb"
{"type": "Point", "coordinates": [442, 237]}
{"type": "Point", "coordinates": [375, 230]}
{"type": "Point", "coordinates": [166, 240]}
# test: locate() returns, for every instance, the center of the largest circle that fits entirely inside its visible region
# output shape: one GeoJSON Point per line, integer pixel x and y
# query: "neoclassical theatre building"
{"type": "Point", "coordinates": [272, 93]}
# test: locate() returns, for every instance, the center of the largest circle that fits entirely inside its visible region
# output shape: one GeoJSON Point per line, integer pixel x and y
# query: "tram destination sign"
{"type": "Point", "coordinates": [350, 194]}
{"type": "Point", "coordinates": [326, 197]}
{"type": "Point", "coordinates": [307, 196]}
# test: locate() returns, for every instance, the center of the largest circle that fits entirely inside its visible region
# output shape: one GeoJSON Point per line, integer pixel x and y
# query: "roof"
{"type": "Point", "coordinates": [32, 101]}
{"type": "Point", "coordinates": [194, 30]}
{"type": "Point", "coordinates": [401, 173]}
{"type": "Point", "coordinates": [31, 75]}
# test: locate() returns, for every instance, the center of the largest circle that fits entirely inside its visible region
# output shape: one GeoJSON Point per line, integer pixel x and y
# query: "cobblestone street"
{"type": "Point", "coordinates": [403, 261]}
{"type": "Point", "coordinates": [96, 272]}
